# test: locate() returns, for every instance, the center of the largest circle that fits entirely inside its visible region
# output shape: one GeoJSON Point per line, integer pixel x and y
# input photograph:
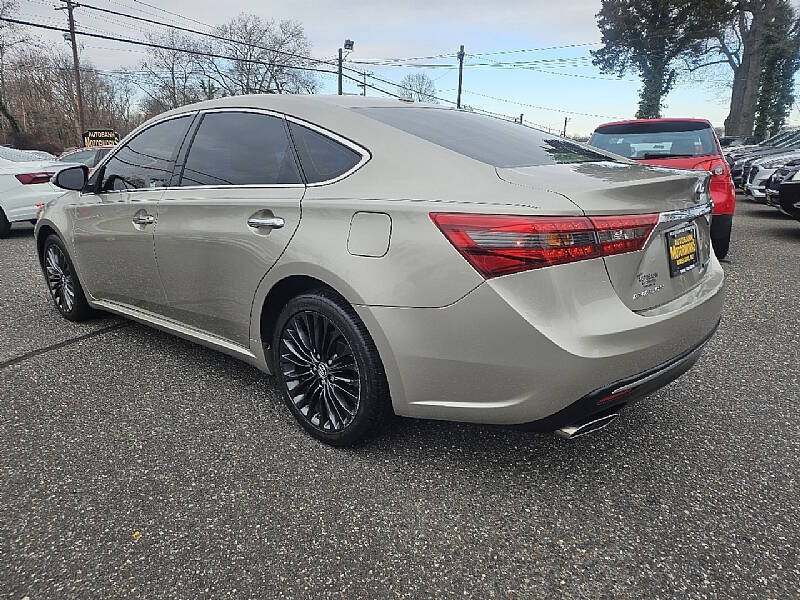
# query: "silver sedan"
{"type": "Point", "coordinates": [382, 257]}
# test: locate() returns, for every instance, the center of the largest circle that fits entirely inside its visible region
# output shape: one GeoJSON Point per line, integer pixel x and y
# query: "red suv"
{"type": "Point", "coordinates": [678, 144]}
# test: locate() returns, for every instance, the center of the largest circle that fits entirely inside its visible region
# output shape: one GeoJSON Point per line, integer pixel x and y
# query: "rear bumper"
{"type": "Point", "coordinates": [525, 347]}
{"type": "Point", "coordinates": [622, 392]}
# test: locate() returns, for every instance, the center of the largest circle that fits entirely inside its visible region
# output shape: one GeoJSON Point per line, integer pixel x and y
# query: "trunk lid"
{"type": "Point", "coordinates": [676, 255]}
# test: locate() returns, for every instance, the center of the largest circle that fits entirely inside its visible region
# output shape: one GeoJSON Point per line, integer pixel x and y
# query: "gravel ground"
{"type": "Point", "coordinates": [135, 464]}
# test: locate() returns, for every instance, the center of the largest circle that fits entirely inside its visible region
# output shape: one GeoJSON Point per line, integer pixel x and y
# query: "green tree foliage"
{"type": "Point", "coordinates": [649, 37]}
{"type": "Point", "coordinates": [781, 62]}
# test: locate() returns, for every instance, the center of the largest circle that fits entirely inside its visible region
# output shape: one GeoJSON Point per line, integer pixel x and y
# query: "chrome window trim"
{"type": "Point", "coordinates": [365, 154]}
{"type": "Point", "coordinates": [142, 128]}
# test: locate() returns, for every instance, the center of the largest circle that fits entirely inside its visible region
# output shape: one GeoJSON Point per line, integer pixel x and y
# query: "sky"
{"type": "Point", "coordinates": [562, 85]}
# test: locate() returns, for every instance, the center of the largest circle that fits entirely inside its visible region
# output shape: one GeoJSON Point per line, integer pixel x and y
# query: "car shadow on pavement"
{"type": "Point", "coordinates": [769, 213]}
{"type": "Point", "coordinates": [20, 232]}
{"type": "Point", "coordinates": [789, 234]}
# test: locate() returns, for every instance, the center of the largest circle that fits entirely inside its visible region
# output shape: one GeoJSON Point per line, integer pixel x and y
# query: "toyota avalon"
{"type": "Point", "coordinates": [383, 257]}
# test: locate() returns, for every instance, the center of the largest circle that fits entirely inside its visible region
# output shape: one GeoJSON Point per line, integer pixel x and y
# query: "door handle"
{"type": "Point", "coordinates": [144, 219]}
{"type": "Point", "coordinates": [265, 222]}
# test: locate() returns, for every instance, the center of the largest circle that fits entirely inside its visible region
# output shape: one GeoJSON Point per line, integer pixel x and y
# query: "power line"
{"type": "Point", "coordinates": [210, 35]}
{"type": "Point", "coordinates": [174, 14]}
{"type": "Point", "coordinates": [560, 110]}
{"type": "Point", "coordinates": [199, 53]}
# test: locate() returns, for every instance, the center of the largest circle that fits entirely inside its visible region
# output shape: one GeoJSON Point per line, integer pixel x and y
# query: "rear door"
{"type": "Point", "coordinates": [227, 219]}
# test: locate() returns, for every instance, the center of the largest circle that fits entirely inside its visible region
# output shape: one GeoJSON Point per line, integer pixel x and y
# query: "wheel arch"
{"type": "Point", "coordinates": [43, 231]}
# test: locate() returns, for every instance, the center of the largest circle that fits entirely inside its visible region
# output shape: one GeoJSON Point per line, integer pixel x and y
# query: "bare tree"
{"type": "Point", "coordinates": [10, 36]}
{"type": "Point", "coordinates": [419, 87]}
{"type": "Point", "coordinates": [171, 76]}
{"type": "Point", "coordinates": [264, 58]}
{"type": "Point", "coordinates": [40, 89]}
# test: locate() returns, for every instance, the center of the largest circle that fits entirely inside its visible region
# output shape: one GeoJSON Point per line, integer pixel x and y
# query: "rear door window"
{"type": "Point", "coordinates": [660, 139]}
{"type": "Point", "coordinates": [240, 148]}
{"type": "Point", "coordinates": [321, 157]}
{"type": "Point", "coordinates": [147, 160]}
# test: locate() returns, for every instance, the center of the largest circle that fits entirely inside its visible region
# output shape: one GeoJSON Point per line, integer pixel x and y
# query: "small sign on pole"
{"type": "Point", "coordinates": [100, 137]}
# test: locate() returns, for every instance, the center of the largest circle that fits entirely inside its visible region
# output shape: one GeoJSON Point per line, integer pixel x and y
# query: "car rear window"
{"type": "Point", "coordinates": [656, 140]}
{"type": "Point", "coordinates": [490, 140]}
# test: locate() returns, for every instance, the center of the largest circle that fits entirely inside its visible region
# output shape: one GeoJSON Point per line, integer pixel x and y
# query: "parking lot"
{"type": "Point", "coordinates": [135, 464]}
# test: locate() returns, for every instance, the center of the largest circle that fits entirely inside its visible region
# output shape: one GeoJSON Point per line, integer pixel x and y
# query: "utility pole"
{"type": "Point", "coordinates": [364, 85]}
{"type": "Point", "coordinates": [520, 118]}
{"type": "Point", "coordinates": [564, 133]}
{"type": "Point", "coordinates": [70, 6]}
{"type": "Point", "coordinates": [460, 73]}
{"type": "Point", "coordinates": [340, 71]}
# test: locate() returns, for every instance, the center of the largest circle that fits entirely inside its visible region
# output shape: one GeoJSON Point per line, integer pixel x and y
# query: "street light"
{"type": "Point", "coordinates": [348, 45]}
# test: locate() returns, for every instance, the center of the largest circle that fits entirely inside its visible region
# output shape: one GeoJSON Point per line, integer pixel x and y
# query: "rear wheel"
{"type": "Point", "coordinates": [329, 369]}
{"type": "Point", "coordinates": [62, 281]}
{"type": "Point", "coordinates": [721, 234]}
{"type": "Point", "coordinates": [5, 226]}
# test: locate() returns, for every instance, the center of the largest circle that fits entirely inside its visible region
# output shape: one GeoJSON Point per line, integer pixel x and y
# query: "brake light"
{"type": "Point", "coordinates": [628, 233]}
{"type": "Point", "coordinates": [716, 166]}
{"type": "Point", "coordinates": [502, 244]}
{"type": "Point", "coordinates": [30, 178]}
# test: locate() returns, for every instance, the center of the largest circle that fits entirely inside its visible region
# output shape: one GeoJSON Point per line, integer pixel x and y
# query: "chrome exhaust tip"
{"type": "Point", "coordinates": [572, 431]}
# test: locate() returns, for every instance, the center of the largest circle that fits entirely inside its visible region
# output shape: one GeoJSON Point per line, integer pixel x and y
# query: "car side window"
{"type": "Point", "coordinates": [147, 160]}
{"type": "Point", "coordinates": [240, 148]}
{"type": "Point", "coordinates": [82, 157]}
{"type": "Point", "coordinates": [321, 157]}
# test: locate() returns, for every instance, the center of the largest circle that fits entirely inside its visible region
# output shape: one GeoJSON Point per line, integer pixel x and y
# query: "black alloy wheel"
{"type": "Point", "coordinates": [320, 371]}
{"type": "Point", "coordinates": [329, 369]}
{"type": "Point", "coordinates": [62, 282]}
{"type": "Point", "coordinates": [59, 279]}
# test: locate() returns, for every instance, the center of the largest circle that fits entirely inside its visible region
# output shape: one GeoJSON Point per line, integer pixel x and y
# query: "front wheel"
{"type": "Point", "coordinates": [62, 281]}
{"type": "Point", "coordinates": [332, 377]}
{"type": "Point", "coordinates": [721, 234]}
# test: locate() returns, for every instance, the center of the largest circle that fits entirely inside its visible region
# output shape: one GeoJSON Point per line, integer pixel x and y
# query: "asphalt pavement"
{"type": "Point", "coordinates": [137, 465]}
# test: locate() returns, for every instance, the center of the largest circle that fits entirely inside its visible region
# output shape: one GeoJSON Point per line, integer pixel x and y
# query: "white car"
{"type": "Point", "coordinates": [24, 184]}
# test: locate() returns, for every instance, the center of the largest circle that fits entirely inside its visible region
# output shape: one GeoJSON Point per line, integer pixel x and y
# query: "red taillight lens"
{"type": "Point", "coordinates": [717, 167]}
{"type": "Point", "coordinates": [502, 244]}
{"type": "Point", "coordinates": [628, 233]}
{"type": "Point", "coordinates": [29, 178]}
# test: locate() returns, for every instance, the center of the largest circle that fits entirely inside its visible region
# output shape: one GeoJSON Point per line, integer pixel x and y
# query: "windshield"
{"type": "Point", "coordinates": [659, 139]}
{"type": "Point", "coordinates": [492, 141]}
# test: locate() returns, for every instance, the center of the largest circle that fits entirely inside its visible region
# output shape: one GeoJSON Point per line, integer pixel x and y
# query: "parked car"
{"type": "Point", "coordinates": [732, 141]}
{"type": "Point", "coordinates": [678, 144]}
{"type": "Point", "coordinates": [380, 256]}
{"type": "Point", "coordinates": [85, 156]}
{"type": "Point", "coordinates": [761, 170]}
{"type": "Point", "coordinates": [773, 185]}
{"type": "Point", "coordinates": [740, 170]}
{"type": "Point", "coordinates": [789, 197]}
{"type": "Point", "coordinates": [24, 183]}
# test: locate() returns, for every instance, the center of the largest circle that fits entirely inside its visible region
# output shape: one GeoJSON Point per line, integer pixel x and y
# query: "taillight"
{"type": "Point", "coordinates": [29, 178]}
{"type": "Point", "coordinates": [502, 244]}
{"type": "Point", "coordinates": [628, 233]}
{"type": "Point", "coordinates": [717, 167]}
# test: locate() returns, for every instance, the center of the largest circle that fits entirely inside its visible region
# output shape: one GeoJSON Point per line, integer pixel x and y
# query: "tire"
{"type": "Point", "coordinates": [5, 226]}
{"type": "Point", "coordinates": [721, 234]}
{"type": "Point", "coordinates": [62, 281]}
{"type": "Point", "coordinates": [329, 369]}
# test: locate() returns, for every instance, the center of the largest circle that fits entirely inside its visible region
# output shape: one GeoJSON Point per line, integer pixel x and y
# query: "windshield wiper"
{"type": "Point", "coordinates": [649, 155]}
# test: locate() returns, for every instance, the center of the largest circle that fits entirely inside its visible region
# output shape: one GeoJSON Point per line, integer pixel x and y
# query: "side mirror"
{"type": "Point", "coordinates": [72, 178]}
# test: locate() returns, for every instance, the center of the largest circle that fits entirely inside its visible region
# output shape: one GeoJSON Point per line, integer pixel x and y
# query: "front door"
{"type": "Point", "coordinates": [228, 222]}
{"type": "Point", "coordinates": [114, 226]}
